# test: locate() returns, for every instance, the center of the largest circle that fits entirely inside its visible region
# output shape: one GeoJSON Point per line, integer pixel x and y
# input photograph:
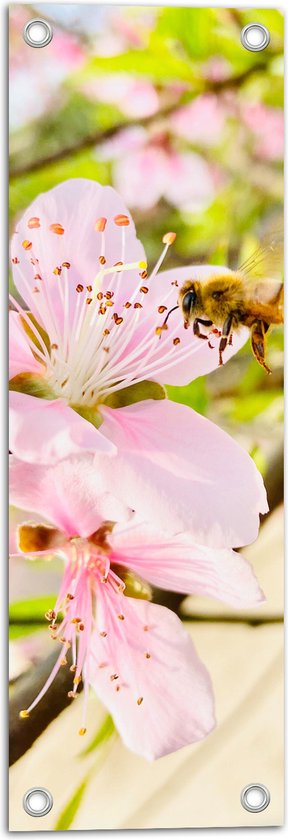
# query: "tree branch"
{"type": "Point", "coordinates": [101, 136]}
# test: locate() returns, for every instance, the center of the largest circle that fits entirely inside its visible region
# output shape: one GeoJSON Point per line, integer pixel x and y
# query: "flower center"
{"type": "Point", "coordinates": [95, 341]}
{"type": "Point", "coordinates": [90, 609]}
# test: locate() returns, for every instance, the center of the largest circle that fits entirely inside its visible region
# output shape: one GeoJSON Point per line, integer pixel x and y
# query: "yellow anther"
{"type": "Point", "coordinates": [100, 224]}
{"type": "Point", "coordinates": [169, 238]}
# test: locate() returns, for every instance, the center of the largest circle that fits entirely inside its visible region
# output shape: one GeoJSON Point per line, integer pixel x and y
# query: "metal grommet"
{"type": "Point", "coordinates": [255, 37]}
{"type": "Point", "coordinates": [255, 798]}
{"type": "Point", "coordinates": [37, 33]}
{"type": "Point", "coordinates": [37, 802]}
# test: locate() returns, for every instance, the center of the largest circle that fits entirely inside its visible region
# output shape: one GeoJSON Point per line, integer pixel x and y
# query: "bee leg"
{"type": "Point", "coordinates": [258, 330]}
{"type": "Point", "coordinates": [226, 334]}
{"type": "Point", "coordinates": [196, 328]}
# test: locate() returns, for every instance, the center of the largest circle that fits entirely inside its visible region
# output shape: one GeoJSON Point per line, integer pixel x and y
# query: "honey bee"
{"type": "Point", "coordinates": [225, 302]}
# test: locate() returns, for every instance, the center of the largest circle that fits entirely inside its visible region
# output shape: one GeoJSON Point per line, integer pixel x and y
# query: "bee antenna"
{"type": "Point", "coordinates": [169, 313]}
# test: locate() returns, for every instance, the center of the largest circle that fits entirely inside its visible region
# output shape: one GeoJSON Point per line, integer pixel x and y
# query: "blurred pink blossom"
{"type": "Point", "coordinates": [123, 32]}
{"type": "Point", "coordinates": [190, 185]}
{"type": "Point", "coordinates": [148, 167]}
{"type": "Point", "coordinates": [67, 49]}
{"type": "Point", "coordinates": [35, 75]}
{"type": "Point", "coordinates": [127, 648]}
{"type": "Point", "coordinates": [135, 29]}
{"type": "Point", "coordinates": [267, 126]}
{"type": "Point", "coordinates": [134, 97]}
{"type": "Point", "coordinates": [141, 175]}
{"type": "Point", "coordinates": [123, 142]}
{"type": "Point", "coordinates": [201, 122]}
{"type": "Point", "coordinates": [217, 69]}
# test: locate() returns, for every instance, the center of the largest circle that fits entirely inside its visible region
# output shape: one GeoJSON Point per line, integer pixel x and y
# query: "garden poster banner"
{"type": "Point", "coordinates": [146, 417]}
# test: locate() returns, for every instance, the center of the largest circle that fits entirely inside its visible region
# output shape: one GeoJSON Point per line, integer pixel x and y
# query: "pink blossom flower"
{"type": "Point", "coordinates": [152, 172]}
{"type": "Point", "coordinates": [125, 141]}
{"type": "Point", "coordinates": [135, 654]}
{"type": "Point", "coordinates": [201, 121]}
{"type": "Point", "coordinates": [267, 125]}
{"type": "Point", "coordinates": [37, 74]}
{"type": "Point", "coordinates": [147, 168]}
{"type": "Point", "coordinates": [190, 183]}
{"type": "Point", "coordinates": [217, 69]}
{"type": "Point", "coordinates": [135, 30]}
{"type": "Point", "coordinates": [91, 337]}
{"type": "Point", "coordinates": [134, 97]}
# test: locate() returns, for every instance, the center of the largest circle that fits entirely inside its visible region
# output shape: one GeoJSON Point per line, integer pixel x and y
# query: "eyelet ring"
{"type": "Point", "coordinates": [255, 798]}
{"type": "Point", "coordinates": [37, 802]}
{"type": "Point", "coordinates": [37, 33]}
{"type": "Point", "coordinates": [255, 37]}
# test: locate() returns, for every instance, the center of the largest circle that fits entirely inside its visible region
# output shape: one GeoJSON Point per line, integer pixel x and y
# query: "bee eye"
{"type": "Point", "coordinates": [188, 302]}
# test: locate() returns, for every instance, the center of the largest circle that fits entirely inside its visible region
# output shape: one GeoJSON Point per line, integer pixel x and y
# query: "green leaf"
{"type": "Point", "coordinates": [17, 631]}
{"type": "Point", "coordinates": [101, 740]}
{"type": "Point", "coordinates": [259, 459]}
{"type": "Point", "coordinates": [246, 408]}
{"type": "Point", "coordinates": [159, 64]}
{"type": "Point", "coordinates": [272, 18]}
{"type": "Point", "coordinates": [107, 729]}
{"type": "Point", "coordinates": [30, 610]}
{"type": "Point", "coordinates": [195, 395]}
{"type": "Point", "coordinates": [193, 28]}
{"type": "Point", "coordinates": [145, 390]}
{"type": "Point", "coordinates": [67, 816]}
{"type": "Point", "coordinates": [219, 255]}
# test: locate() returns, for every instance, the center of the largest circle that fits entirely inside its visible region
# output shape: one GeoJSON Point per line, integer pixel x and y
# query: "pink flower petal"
{"type": "Point", "coordinates": [171, 685]}
{"type": "Point", "coordinates": [21, 359]}
{"type": "Point", "coordinates": [180, 565]}
{"type": "Point", "coordinates": [181, 472]}
{"type": "Point", "coordinates": [72, 207]}
{"type": "Point", "coordinates": [46, 430]}
{"type": "Point", "coordinates": [70, 494]}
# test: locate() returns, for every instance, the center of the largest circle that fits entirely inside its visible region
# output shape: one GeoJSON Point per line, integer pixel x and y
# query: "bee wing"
{"type": "Point", "coordinates": [263, 270]}
{"type": "Point", "coordinates": [265, 291]}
